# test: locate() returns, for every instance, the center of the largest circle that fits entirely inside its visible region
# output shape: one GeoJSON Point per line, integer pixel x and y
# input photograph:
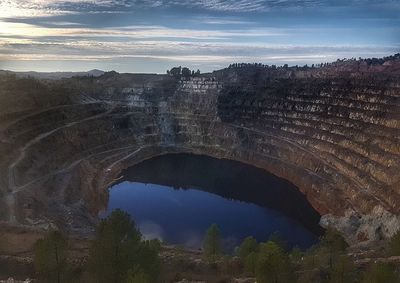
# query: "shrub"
{"type": "Point", "coordinates": [137, 275]}
{"type": "Point", "coordinates": [117, 252]}
{"type": "Point", "coordinates": [334, 243]}
{"type": "Point", "coordinates": [248, 246]}
{"type": "Point", "coordinates": [381, 273]}
{"type": "Point", "coordinates": [273, 265]}
{"type": "Point", "coordinates": [343, 271]}
{"type": "Point", "coordinates": [50, 257]}
{"type": "Point", "coordinates": [394, 244]}
{"type": "Point", "coordinates": [250, 263]}
{"type": "Point", "coordinates": [212, 243]}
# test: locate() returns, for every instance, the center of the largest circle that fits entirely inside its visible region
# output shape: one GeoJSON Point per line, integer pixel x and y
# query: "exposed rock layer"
{"type": "Point", "coordinates": [332, 131]}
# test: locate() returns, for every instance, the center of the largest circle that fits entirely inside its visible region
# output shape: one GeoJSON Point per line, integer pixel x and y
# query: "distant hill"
{"type": "Point", "coordinates": [54, 75]}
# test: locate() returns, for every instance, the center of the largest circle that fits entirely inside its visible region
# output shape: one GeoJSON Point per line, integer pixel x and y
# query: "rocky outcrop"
{"type": "Point", "coordinates": [332, 131]}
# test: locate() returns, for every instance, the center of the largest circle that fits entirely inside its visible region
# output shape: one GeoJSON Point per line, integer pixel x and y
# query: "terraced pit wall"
{"type": "Point", "coordinates": [332, 131]}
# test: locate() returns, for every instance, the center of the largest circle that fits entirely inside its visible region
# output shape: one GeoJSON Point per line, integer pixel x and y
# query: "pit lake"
{"type": "Point", "coordinates": [176, 197]}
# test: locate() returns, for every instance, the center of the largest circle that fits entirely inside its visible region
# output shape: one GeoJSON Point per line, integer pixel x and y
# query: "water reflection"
{"type": "Point", "coordinates": [176, 197]}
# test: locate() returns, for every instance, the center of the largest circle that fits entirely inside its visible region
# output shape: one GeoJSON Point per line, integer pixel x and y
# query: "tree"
{"type": "Point", "coordinates": [118, 255]}
{"type": "Point", "coordinates": [212, 242]}
{"type": "Point", "coordinates": [50, 257]}
{"type": "Point", "coordinates": [248, 246]}
{"type": "Point", "coordinates": [276, 238]}
{"type": "Point", "coordinates": [250, 263]}
{"type": "Point", "coordinates": [394, 244]}
{"type": "Point", "coordinates": [334, 243]}
{"type": "Point", "coordinates": [137, 275]}
{"type": "Point", "coordinates": [296, 254]}
{"type": "Point", "coordinates": [313, 265]}
{"type": "Point", "coordinates": [149, 262]}
{"type": "Point", "coordinates": [273, 265]}
{"type": "Point", "coordinates": [343, 271]}
{"type": "Point", "coordinates": [186, 72]}
{"type": "Point", "coordinates": [381, 273]}
{"type": "Point", "coordinates": [176, 71]}
{"type": "Point", "coordinates": [114, 250]}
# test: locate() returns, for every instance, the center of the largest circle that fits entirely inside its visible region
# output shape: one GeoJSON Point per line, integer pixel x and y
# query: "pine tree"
{"type": "Point", "coordinates": [248, 246]}
{"type": "Point", "coordinates": [50, 257]}
{"type": "Point", "coordinates": [212, 243]}
{"type": "Point", "coordinates": [114, 250]}
{"type": "Point", "coordinates": [273, 265]}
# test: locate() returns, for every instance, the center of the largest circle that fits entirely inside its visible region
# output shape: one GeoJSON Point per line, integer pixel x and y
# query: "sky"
{"type": "Point", "coordinates": [145, 36]}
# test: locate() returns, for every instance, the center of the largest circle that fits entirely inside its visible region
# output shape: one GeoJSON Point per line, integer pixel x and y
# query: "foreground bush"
{"type": "Point", "coordinates": [248, 246]}
{"type": "Point", "coordinates": [381, 273]}
{"type": "Point", "coordinates": [212, 243]}
{"type": "Point", "coordinates": [273, 265]}
{"type": "Point", "coordinates": [50, 258]}
{"type": "Point", "coordinates": [118, 254]}
{"type": "Point", "coordinates": [394, 244]}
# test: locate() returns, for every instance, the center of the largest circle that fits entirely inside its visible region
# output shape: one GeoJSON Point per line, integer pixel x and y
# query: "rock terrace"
{"type": "Point", "coordinates": [333, 131]}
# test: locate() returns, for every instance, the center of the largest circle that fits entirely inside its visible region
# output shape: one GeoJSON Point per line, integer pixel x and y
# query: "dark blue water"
{"type": "Point", "coordinates": [237, 197]}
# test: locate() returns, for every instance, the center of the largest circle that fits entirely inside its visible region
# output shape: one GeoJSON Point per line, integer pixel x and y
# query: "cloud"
{"type": "Point", "coordinates": [37, 8]}
{"type": "Point", "coordinates": [206, 33]}
{"type": "Point", "coordinates": [134, 31]}
{"type": "Point", "coordinates": [209, 20]}
{"type": "Point", "coordinates": [180, 51]}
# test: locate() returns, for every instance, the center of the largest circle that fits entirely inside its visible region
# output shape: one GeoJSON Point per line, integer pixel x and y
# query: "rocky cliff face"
{"type": "Point", "coordinates": [333, 131]}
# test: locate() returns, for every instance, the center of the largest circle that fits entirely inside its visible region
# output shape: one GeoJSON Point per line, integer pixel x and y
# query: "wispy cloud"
{"type": "Point", "coordinates": [35, 8]}
{"type": "Point", "coordinates": [207, 33]}
{"type": "Point", "coordinates": [179, 51]}
{"type": "Point", "coordinates": [134, 31]}
{"type": "Point", "coordinates": [208, 20]}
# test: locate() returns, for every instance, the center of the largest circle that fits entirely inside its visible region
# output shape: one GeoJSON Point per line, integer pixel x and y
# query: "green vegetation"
{"type": "Point", "coordinates": [273, 265]}
{"type": "Point", "coordinates": [137, 275]}
{"type": "Point", "coordinates": [248, 252]}
{"type": "Point", "coordinates": [334, 244]}
{"type": "Point", "coordinates": [343, 271]}
{"type": "Point", "coordinates": [117, 251]}
{"type": "Point", "coordinates": [119, 254]}
{"type": "Point", "coordinates": [276, 238]}
{"type": "Point", "coordinates": [184, 72]}
{"type": "Point", "coordinates": [381, 273]}
{"type": "Point", "coordinates": [212, 243]}
{"type": "Point", "coordinates": [394, 244]}
{"type": "Point", "coordinates": [326, 262]}
{"type": "Point", "coordinates": [248, 246]}
{"type": "Point", "coordinates": [51, 258]}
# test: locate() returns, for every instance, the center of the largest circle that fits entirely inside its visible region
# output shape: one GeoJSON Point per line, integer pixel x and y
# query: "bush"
{"type": "Point", "coordinates": [137, 275]}
{"type": "Point", "coordinates": [248, 246]}
{"type": "Point", "coordinates": [212, 243]}
{"type": "Point", "coordinates": [277, 239]}
{"type": "Point", "coordinates": [313, 265]}
{"type": "Point", "coordinates": [334, 243]}
{"type": "Point", "coordinates": [50, 257]}
{"type": "Point", "coordinates": [394, 244]}
{"type": "Point", "coordinates": [343, 271]}
{"type": "Point", "coordinates": [250, 263]}
{"type": "Point", "coordinates": [117, 252]}
{"type": "Point", "coordinates": [296, 254]}
{"type": "Point", "coordinates": [148, 260]}
{"type": "Point", "coordinates": [381, 273]}
{"type": "Point", "coordinates": [273, 265]}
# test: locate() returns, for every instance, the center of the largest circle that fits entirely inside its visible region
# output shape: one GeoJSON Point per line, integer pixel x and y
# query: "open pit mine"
{"type": "Point", "coordinates": [332, 130]}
